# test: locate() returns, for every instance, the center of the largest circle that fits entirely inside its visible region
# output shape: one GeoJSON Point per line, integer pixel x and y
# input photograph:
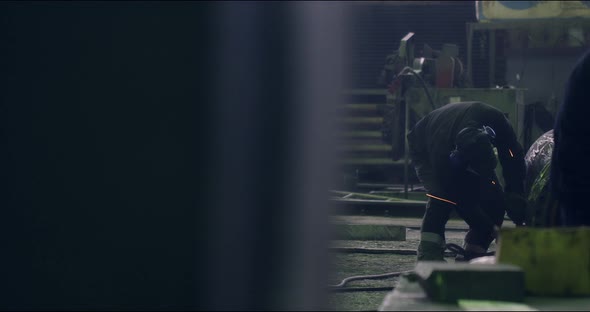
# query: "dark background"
{"type": "Point", "coordinates": [100, 141]}
{"type": "Point", "coordinates": [164, 155]}
{"type": "Point", "coordinates": [376, 28]}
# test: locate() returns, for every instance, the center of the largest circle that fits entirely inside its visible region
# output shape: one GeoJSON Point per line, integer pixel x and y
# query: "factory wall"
{"type": "Point", "coordinates": [544, 77]}
{"type": "Point", "coordinates": [377, 27]}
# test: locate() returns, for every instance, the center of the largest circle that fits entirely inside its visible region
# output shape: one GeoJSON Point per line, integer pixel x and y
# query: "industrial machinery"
{"type": "Point", "coordinates": [375, 138]}
{"type": "Point", "coordinates": [439, 68]}
{"type": "Point", "coordinates": [418, 85]}
{"type": "Point", "coordinates": [402, 72]}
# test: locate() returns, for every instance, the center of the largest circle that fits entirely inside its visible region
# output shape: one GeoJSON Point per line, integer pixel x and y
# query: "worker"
{"type": "Point", "coordinates": [570, 174]}
{"type": "Point", "coordinates": [452, 149]}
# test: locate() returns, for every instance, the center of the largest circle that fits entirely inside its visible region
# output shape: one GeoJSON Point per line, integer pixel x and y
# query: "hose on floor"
{"type": "Point", "coordinates": [340, 287]}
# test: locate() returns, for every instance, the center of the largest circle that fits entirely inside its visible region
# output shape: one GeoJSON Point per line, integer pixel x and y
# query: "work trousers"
{"type": "Point", "coordinates": [473, 200]}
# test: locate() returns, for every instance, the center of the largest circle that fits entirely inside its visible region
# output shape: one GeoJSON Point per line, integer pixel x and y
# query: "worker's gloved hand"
{"type": "Point", "coordinates": [515, 207]}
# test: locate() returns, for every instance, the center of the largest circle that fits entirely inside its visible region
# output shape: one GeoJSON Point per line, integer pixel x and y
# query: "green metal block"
{"type": "Point", "coordinates": [556, 261]}
{"type": "Point", "coordinates": [371, 232]}
{"type": "Point", "coordinates": [409, 295]}
{"type": "Point", "coordinates": [450, 282]}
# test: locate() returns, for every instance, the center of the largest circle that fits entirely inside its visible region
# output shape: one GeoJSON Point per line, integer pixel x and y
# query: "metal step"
{"type": "Point", "coordinates": [361, 123]}
{"type": "Point", "coordinates": [366, 148]}
{"type": "Point", "coordinates": [360, 140]}
{"type": "Point", "coordinates": [362, 161]}
{"type": "Point", "coordinates": [381, 91]}
{"type": "Point", "coordinates": [360, 137]}
{"type": "Point", "coordinates": [361, 109]}
{"type": "Point", "coordinates": [360, 134]}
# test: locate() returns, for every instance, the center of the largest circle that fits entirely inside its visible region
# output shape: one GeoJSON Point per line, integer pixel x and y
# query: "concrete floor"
{"type": "Point", "coordinates": [346, 265]}
{"type": "Point", "coordinates": [456, 230]}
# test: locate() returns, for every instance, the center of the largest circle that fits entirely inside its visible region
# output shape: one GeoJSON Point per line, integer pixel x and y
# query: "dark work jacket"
{"type": "Point", "coordinates": [433, 138]}
{"type": "Point", "coordinates": [570, 174]}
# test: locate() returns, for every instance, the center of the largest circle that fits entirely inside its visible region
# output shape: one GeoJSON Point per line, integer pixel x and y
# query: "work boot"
{"type": "Point", "coordinates": [471, 252]}
{"type": "Point", "coordinates": [431, 247]}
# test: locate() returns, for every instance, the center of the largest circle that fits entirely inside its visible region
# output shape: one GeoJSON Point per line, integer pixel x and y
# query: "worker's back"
{"type": "Point", "coordinates": [435, 134]}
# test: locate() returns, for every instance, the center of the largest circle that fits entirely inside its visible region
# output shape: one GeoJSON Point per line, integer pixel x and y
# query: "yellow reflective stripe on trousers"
{"type": "Point", "coordinates": [442, 199]}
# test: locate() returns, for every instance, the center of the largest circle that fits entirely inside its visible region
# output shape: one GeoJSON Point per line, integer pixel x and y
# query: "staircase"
{"type": "Point", "coordinates": [363, 151]}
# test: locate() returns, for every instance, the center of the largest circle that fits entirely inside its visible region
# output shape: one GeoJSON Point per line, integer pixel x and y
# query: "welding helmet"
{"type": "Point", "coordinates": [474, 150]}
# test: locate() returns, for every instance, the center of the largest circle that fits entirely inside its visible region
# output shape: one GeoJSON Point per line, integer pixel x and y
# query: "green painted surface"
{"type": "Point", "coordinates": [449, 282]}
{"type": "Point", "coordinates": [409, 296]}
{"type": "Point", "coordinates": [556, 260]}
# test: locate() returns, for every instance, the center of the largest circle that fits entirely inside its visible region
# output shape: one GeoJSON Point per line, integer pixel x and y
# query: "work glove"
{"type": "Point", "coordinates": [515, 207]}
